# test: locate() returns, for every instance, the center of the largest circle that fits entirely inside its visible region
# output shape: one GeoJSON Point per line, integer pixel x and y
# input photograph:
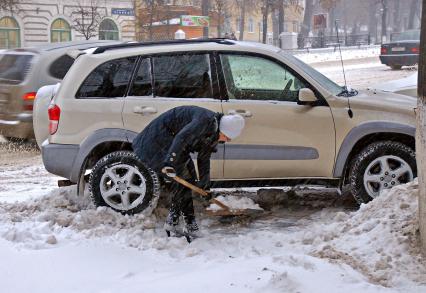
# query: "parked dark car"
{"type": "Point", "coordinates": [402, 51]}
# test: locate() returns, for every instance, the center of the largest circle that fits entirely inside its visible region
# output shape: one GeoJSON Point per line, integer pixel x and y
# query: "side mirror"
{"type": "Point", "coordinates": [306, 97]}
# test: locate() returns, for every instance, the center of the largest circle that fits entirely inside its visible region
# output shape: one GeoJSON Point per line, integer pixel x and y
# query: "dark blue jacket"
{"type": "Point", "coordinates": [170, 139]}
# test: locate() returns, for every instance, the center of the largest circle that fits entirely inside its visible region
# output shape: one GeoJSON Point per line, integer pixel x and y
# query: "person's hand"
{"type": "Point", "coordinates": [169, 171]}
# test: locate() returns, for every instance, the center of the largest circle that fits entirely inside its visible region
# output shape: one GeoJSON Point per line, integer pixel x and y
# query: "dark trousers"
{"type": "Point", "coordinates": [181, 196]}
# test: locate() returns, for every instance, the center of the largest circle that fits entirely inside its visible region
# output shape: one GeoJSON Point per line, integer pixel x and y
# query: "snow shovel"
{"type": "Point", "coordinates": [224, 211]}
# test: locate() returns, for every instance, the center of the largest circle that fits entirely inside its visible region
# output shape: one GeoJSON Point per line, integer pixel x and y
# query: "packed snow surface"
{"type": "Point", "coordinates": [356, 53]}
{"type": "Point", "coordinates": [235, 203]}
{"type": "Point", "coordinates": [62, 242]}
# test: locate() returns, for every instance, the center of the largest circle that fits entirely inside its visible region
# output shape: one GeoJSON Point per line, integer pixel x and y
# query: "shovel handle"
{"type": "Point", "coordinates": [199, 191]}
{"type": "Point", "coordinates": [190, 186]}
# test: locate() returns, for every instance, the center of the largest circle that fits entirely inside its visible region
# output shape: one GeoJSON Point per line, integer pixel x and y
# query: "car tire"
{"type": "Point", "coordinates": [122, 182]}
{"type": "Point", "coordinates": [381, 165]}
{"type": "Point", "coordinates": [396, 67]}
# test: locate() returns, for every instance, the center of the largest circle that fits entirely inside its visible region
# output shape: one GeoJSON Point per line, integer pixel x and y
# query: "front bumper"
{"type": "Point", "coordinates": [400, 59]}
{"type": "Point", "coordinates": [59, 159]}
{"type": "Point", "coordinates": [17, 125]}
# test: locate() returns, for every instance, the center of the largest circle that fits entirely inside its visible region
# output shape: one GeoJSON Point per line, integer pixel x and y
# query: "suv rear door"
{"type": "Point", "coordinates": [165, 81]}
{"type": "Point", "coordinates": [14, 68]}
{"type": "Point", "coordinates": [281, 139]}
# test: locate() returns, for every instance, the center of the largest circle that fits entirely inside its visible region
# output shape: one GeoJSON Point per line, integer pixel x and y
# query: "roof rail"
{"type": "Point", "coordinates": [102, 49]}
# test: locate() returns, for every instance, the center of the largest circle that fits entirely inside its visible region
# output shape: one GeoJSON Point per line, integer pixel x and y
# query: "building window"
{"type": "Point", "coordinates": [238, 24]}
{"type": "Point", "coordinates": [60, 31]}
{"type": "Point", "coordinates": [9, 33]}
{"type": "Point", "coordinates": [251, 25]}
{"type": "Point", "coordinates": [295, 27]}
{"type": "Point", "coordinates": [108, 30]}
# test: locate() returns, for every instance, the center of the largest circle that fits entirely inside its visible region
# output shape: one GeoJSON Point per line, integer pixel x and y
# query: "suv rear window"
{"type": "Point", "coordinates": [108, 80]}
{"type": "Point", "coordinates": [14, 68]}
{"type": "Point", "coordinates": [182, 76]}
{"type": "Point", "coordinates": [59, 68]}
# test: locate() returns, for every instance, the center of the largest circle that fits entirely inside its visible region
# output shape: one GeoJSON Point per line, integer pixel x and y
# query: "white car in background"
{"type": "Point", "coordinates": [405, 86]}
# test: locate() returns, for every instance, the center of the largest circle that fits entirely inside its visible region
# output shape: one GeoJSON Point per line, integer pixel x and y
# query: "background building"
{"type": "Point", "coordinates": [40, 21]}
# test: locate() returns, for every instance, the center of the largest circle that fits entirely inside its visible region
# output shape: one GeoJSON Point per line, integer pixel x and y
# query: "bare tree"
{"type": "Point", "coordinates": [264, 8]}
{"type": "Point", "coordinates": [205, 7]}
{"type": "Point", "coordinates": [414, 6]}
{"type": "Point", "coordinates": [87, 19]}
{"type": "Point", "coordinates": [421, 130]}
{"type": "Point", "coordinates": [244, 7]}
{"type": "Point", "coordinates": [9, 5]}
{"type": "Point", "coordinates": [151, 11]}
{"type": "Point", "coordinates": [220, 7]}
{"type": "Point", "coordinates": [307, 22]}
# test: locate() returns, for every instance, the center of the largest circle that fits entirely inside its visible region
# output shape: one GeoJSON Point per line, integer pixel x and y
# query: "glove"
{"type": "Point", "coordinates": [169, 171]}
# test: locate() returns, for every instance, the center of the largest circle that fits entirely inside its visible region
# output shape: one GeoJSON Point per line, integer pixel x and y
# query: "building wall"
{"type": "Point", "coordinates": [293, 17]}
{"type": "Point", "coordinates": [36, 17]}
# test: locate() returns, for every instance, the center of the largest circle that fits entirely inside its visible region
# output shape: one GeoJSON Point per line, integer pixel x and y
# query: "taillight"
{"type": "Point", "coordinates": [54, 115]}
{"type": "Point", "coordinates": [415, 50]}
{"type": "Point", "coordinates": [383, 51]}
{"type": "Point", "coordinates": [28, 99]}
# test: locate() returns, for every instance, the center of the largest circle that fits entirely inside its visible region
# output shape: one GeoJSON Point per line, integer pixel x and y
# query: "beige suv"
{"type": "Point", "coordinates": [300, 126]}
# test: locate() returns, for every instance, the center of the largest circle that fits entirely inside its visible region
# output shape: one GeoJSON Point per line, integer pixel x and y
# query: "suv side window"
{"type": "Point", "coordinates": [142, 82]}
{"type": "Point", "coordinates": [256, 78]}
{"type": "Point", "coordinates": [182, 76]}
{"type": "Point", "coordinates": [108, 80]}
{"type": "Point", "coordinates": [59, 68]}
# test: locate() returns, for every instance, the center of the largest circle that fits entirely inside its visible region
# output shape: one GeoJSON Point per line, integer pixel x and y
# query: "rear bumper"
{"type": "Point", "coordinates": [59, 159]}
{"type": "Point", "coordinates": [17, 125]}
{"type": "Point", "coordinates": [400, 59]}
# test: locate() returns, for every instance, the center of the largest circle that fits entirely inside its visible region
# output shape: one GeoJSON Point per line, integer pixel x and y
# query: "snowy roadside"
{"type": "Point", "coordinates": [356, 53]}
{"type": "Point", "coordinates": [61, 242]}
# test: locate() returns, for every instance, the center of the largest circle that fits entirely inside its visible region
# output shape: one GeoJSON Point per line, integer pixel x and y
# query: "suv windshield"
{"type": "Point", "coordinates": [14, 67]}
{"type": "Point", "coordinates": [408, 36]}
{"type": "Point", "coordinates": [327, 83]}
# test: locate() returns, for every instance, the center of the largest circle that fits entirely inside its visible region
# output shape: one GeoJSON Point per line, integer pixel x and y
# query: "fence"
{"type": "Point", "coordinates": [323, 41]}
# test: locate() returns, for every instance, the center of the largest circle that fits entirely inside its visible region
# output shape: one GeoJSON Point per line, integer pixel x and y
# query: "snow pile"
{"type": "Point", "coordinates": [235, 203]}
{"type": "Point", "coordinates": [380, 240]}
{"type": "Point", "coordinates": [63, 216]}
{"type": "Point", "coordinates": [363, 250]}
{"type": "Point", "coordinates": [314, 57]}
{"type": "Point", "coordinates": [395, 85]}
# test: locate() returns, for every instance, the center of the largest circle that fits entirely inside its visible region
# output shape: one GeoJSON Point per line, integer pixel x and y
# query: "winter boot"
{"type": "Point", "coordinates": [191, 228]}
{"type": "Point", "coordinates": [171, 224]}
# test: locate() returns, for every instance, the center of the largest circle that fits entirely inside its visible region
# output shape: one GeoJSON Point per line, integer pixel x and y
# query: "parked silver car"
{"type": "Point", "coordinates": [22, 72]}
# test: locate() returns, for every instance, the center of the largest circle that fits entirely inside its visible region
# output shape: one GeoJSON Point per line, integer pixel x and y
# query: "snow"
{"type": "Point", "coordinates": [61, 242]}
{"type": "Point", "coordinates": [235, 203]}
{"type": "Point", "coordinates": [356, 53]}
{"type": "Point", "coordinates": [396, 85]}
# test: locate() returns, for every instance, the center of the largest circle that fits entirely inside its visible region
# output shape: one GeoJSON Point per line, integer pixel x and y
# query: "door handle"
{"type": "Point", "coordinates": [144, 110]}
{"type": "Point", "coordinates": [244, 113]}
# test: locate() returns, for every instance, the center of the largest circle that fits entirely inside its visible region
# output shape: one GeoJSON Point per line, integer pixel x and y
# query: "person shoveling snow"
{"type": "Point", "coordinates": [165, 146]}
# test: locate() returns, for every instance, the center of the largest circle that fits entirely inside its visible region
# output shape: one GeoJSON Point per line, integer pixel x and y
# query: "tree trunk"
{"type": "Point", "coordinates": [413, 9]}
{"type": "Point", "coordinates": [307, 19]}
{"type": "Point", "coordinates": [205, 5]}
{"type": "Point", "coordinates": [372, 22]}
{"type": "Point", "coordinates": [421, 131]}
{"type": "Point", "coordinates": [280, 17]}
{"type": "Point", "coordinates": [265, 22]}
{"type": "Point", "coordinates": [242, 20]}
{"type": "Point", "coordinates": [397, 16]}
{"type": "Point", "coordinates": [384, 19]}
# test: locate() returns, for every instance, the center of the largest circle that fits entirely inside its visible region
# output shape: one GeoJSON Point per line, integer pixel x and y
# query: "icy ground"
{"type": "Point", "coordinates": [52, 241]}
